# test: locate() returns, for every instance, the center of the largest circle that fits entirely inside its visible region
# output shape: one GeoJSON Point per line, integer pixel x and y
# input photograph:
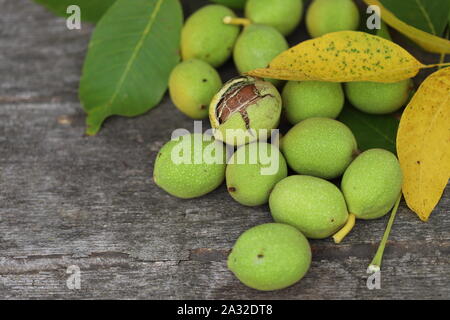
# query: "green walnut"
{"type": "Point", "coordinates": [379, 98]}
{"type": "Point", "coordinates": [319, 147]}
{"type": "Point", "coordinates": [234, 4]}
{"type": "Point", "coordinates": [284, 15]}
{"type": "Point", "coordinates": [253, 171]}
{"type": "Point", "coordinates": [257, 46]}
{"type": "Point", "coordinates": [314, 206]}
{"type": "Point", "coordinates": [325, 16]}
{"type": "Point", "coordinates": [192, 85]}
{"type": "Point", "coordinates": [246, 109]}
{"type": "Point", "coordinates": [191, 166]}
{"type": "Point", "coordinates": [372, 184]}
{"type": "Point", "coordinates": [270, 257]}
{"type": "Point", "coordinates": [312, 99]}
{"type": "Point", "coordinates": [206, 37]}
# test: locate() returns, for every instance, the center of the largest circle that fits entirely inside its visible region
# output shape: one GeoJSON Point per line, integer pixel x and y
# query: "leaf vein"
{"type": "Point", "coordinates": [135, 52]}
{"type": "Point", "coordinates": [426, 16]}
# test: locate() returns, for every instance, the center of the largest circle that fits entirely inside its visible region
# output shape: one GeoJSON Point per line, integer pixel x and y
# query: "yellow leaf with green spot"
{"type": "Point", "coordinates": [423, 144]}
{"type": "Point", "coordinates": [343, 56]}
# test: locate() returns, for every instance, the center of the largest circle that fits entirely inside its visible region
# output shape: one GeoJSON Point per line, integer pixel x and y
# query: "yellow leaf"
{"type": "Point", "coordinates": [423, 144]}
{"type": "Point", "coordinates": [424, 39]}
{"type": "Point", "coordinates": [343, 56]}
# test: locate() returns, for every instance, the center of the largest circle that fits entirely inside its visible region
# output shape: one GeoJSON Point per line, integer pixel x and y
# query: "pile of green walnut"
{"type": "Point", "coordinates": [303, 202]}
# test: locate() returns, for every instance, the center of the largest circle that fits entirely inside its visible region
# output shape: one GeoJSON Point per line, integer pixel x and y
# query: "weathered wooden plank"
{"type": "Point", "coordinates": [67, 199]}
{"type": "Point", "coordinates": [63, 206]}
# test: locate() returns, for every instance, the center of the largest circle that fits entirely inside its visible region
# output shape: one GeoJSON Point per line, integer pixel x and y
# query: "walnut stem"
{"type": "Point", "coordinates": [341, 234]}
{"type": "Point", "coordinates": [237, 21]}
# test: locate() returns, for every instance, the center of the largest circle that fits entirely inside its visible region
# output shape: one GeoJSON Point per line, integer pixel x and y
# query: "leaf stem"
{"type": "Point", "coordinates": [341, 234]}
{"type": "Point", "coordinates": [376, 262]}
{"type": "Point", "coordinates": [237, 21]}
{"type": "Point", "coordinates": [447, 64]}
{"type": "Point", "coordinates": [442, 58]}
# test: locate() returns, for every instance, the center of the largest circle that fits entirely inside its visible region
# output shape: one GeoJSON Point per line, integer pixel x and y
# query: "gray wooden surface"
{"type": "Point", "coordinates": [67, 199]}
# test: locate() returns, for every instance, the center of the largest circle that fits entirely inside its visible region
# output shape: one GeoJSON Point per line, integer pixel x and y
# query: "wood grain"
{"type": "Point", "coordinates": [67, 199]}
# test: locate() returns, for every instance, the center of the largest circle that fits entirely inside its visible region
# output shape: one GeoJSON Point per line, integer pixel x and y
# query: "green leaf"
{"type": "Point", "coordinates": [371, 131]}
{"type": "Point", "coordinates": [133, 49]}
{"type": "Point", "coordinates": [427, 15]}
{"type": "Point", "coordinates": [91, 10]}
